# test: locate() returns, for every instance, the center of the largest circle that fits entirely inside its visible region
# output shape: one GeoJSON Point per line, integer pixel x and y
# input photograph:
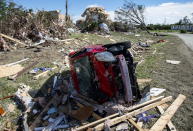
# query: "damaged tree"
{"type": "Point", "coordinates": [133, 14]}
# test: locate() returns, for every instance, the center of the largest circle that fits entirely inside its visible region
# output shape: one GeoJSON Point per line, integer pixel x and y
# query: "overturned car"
{"type": "Point", "coordinates": [102, 72]}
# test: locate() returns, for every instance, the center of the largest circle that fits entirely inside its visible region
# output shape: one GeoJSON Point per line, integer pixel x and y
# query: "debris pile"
{"type": "Point", "coordinates": [33, 29]}
{"type": "Point", "coordinates": [101, 93]}
{"type": "Point", "coordinates": [95, 100]}
{"type": "Point", "coordinates": [96, 19]}
{"type": "Point", "coordinates": [72, 111]}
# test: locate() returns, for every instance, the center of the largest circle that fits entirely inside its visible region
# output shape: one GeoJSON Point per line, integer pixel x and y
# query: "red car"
{"type": "Point", "coordinates": [102, 72]}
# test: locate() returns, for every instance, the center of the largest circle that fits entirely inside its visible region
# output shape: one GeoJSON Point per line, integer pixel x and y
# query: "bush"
{"type": "Point", "coordinates": [183, 31]}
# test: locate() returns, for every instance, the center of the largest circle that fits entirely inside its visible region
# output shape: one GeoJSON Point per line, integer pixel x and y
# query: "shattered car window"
{"type": "Point", "coordinates": [83, 71]}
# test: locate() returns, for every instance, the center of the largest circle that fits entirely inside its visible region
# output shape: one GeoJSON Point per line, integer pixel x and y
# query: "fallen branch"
{"type": "Point", "coordinates": [142, 81]}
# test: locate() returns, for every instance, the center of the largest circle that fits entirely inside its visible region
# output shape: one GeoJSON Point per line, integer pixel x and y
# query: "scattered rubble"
{"type": "Point", "coordinates": [23, 95]}
{"type": "Point", "coordinates": [101, 94]}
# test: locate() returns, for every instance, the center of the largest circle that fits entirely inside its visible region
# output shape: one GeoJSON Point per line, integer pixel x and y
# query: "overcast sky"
{"type": "Point", "coordinates": [157, 11]}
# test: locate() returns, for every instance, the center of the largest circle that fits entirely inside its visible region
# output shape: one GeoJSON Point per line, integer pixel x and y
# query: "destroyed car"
{"type": "Point", "coordinates": [102, 72]}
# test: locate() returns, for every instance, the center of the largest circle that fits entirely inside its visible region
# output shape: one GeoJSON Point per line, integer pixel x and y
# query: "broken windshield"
{"type": "Point", "coordinates": [83, 71]}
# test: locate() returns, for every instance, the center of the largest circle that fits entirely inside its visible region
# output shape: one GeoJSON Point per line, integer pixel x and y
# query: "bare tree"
{"type": "Point", "coordinates": [184, 21]}
{"type": "Point", "coordinates": [131, 13]}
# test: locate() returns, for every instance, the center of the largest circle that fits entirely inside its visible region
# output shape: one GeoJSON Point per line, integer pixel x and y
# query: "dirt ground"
{"type": "Point", "coordinates": [175, 79]}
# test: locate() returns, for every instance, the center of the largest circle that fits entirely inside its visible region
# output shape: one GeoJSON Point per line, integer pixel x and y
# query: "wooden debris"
{"type": "Point", "coordinates": [154, 51]}
{"type": "Point", "coordinates": [13, 39]}
{"type": "Point", "coordinates": [140, 123]}
{"type": "Point", "coordinates": [95, 122]}
{"type": "Point", "coordinates": [23, 71]}
{"type": "Point", "coordinates": [112, 40]}
{"type": "Point", "coordinates": [165, 118]}
{"type": "Point", "coordinates": [144, 104]}
{"type": "Point", "coordinates": [6, 97]}
{"type": "Point", "coordinates": [17, 62]}
{"type": "Point", "coordinates": [10, 70]}
{"type": "Point", "coordinates": [43, 73]}
{"type": "Point", "coordinates": [133, 113]}
{"type": "Point", "coordinates": [170, 125]}
{"type": "Point", "coordinates": [117, 114]}
{"type": "Point", "coordinates": [135, 125]}
{"type": "Point", "coordinates": [66, 40]}
{"type": "Point", "coordinates": [142, 81]}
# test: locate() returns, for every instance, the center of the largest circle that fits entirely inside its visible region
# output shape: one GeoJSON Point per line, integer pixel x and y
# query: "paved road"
{"type": "Point", "coordinates": [187, 38]}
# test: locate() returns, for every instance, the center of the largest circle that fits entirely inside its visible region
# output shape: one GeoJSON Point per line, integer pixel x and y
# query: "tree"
{"type": "Point", "coordinates": [184, 21]}
{"type": "Point", "coordinates": [3, 8]}
{"type": "Point", "coordinates": [131, 13]}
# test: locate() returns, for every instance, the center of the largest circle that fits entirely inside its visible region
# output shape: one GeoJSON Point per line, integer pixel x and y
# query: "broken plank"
{"type": "Point", "coordinates": [43, 73]}
{"type": "Point", "coordinates": [142, 81]}
{"type": "Point", "coordinates": [10, 70]}
{"type": "Point", "coordinates": [135, 125]}
{"type": "Point", "coordinates": [140, 124]}
{"type": "Point", "coordinates": [17, 62]}
{"type": "Point", "coordinates": [117, 114]}
{"type": "Point", "coordinates": [22, 71]}
{"type": "Point", "coordinates": [170, 125]}
{"type": "Point", "coordinates": [13, 39]}
{"type": "Point", "coordinates": [144, 104]}
{"type": "Point", "coordinates": [165, 118]}
{"type": "Point", "coordinates": [133, 113]}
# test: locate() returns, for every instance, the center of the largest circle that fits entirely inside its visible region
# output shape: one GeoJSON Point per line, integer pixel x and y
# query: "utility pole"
{"type": "Point", "coordinates": [66, 10]}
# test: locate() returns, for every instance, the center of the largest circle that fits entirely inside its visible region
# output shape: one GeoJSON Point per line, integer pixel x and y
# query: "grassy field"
{"type": "Point", "coordinates": [152, 64]}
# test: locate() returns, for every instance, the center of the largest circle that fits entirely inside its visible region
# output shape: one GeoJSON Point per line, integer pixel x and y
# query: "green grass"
{"type": "Point", "coordinates": [145, 69]}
